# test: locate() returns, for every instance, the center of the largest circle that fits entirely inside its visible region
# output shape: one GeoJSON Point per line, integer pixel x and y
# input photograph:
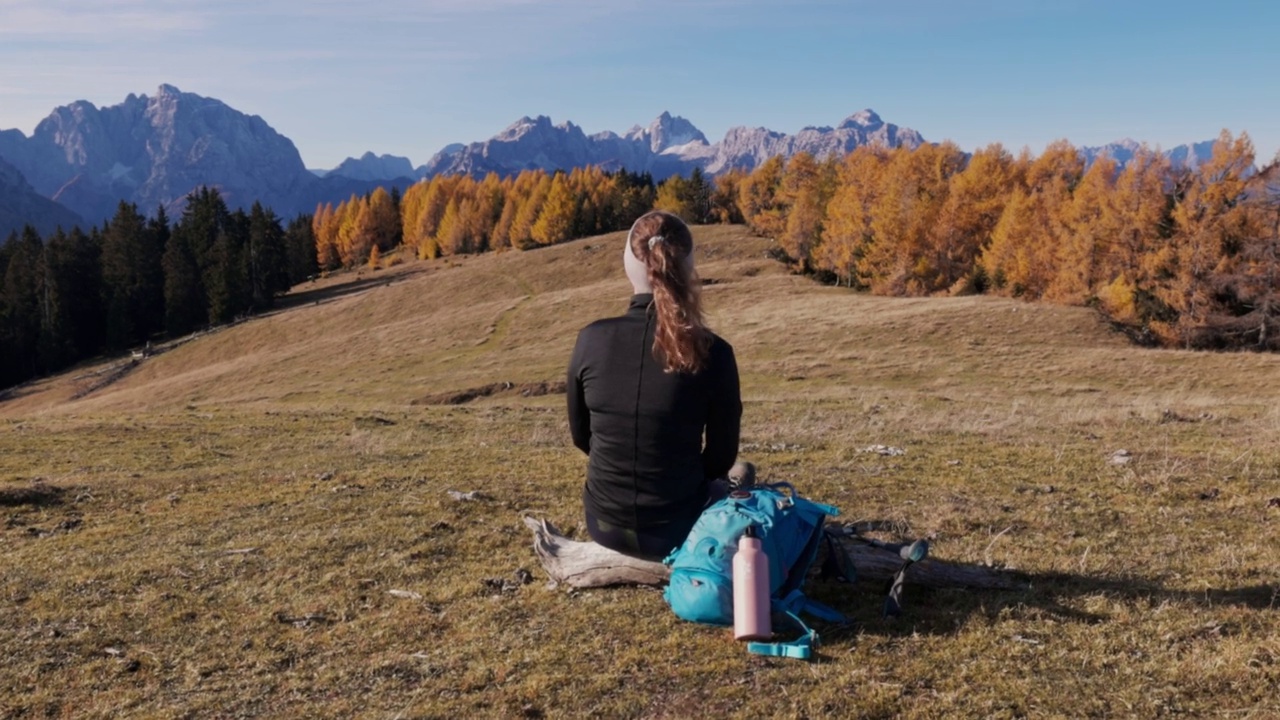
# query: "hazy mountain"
{"type": "Point", "coordinates": [21, 205]}
{"type": "Point", "coordinates": [1122, 151]}
{"type": "Point", "coordinates": [669, 145]}
{"type": "Point", "coordinates": [374, 167]}
{"type": "Point", "coordinates": [155, 150]}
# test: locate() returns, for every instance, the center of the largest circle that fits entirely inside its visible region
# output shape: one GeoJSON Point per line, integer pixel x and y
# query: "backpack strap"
{"type": "Point", "coordinates": [800, 649]}
{"type": "Point", "coordinates": [837, 565]}
{"type": "Point", "coordinates": [811, 508]}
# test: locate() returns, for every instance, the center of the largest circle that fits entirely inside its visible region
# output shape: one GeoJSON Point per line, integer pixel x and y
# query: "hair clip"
{"type": "Point", "coordinates": [655, 240]}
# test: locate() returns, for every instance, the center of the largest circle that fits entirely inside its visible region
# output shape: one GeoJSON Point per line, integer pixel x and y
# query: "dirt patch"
{"type": "Point", "coordinates": [498, 389]}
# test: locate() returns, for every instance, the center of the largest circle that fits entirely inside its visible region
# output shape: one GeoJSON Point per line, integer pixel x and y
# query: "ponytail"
{"type": "Point", "coordinates": [663, 242]}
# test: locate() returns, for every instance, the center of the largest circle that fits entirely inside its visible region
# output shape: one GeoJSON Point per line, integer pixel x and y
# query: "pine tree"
{"type": "Point", "coordinates": [131, 265]}
{"type": "Point", "coordinates": [156, 240]}
{"type": "Point", "coordinates": [75, 262]}
{"type": "Point", "coordinates": [227, 270]}
{"type": "Point", "coordinates": [21, 306]}
{"type": "Point", "coordinates": [300, 249]}
{"type": "Point", "coordinates": [268, 258]}
{"type": "Point", "coordinates": [189, 264]}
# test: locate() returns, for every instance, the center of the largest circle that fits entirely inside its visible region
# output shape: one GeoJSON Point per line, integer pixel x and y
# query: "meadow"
{"type": "Point", "coordinates": [258, 523]}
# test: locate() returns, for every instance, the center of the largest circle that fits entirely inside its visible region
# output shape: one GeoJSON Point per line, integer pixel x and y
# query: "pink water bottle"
{"type": "Point", "coordinates": [751, 589]}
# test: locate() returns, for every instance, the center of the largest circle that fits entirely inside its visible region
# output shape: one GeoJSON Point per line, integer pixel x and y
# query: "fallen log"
{"type": "Point", "coordinates": [581, 564]}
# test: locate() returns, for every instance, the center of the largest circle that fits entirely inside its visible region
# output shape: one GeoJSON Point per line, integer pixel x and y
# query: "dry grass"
{"type": "Point", "coordinates": [217, 533]}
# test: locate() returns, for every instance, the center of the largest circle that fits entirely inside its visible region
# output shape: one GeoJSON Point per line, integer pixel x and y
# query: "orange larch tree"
{"type": "Point", "coordinates": [975, 200]}
{"type": "Point", "coordinates": [1211, 220]}
{"type": "Point", "coordinates": [847, 232]}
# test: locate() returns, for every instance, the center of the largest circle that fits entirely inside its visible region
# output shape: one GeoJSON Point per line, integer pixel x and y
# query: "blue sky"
{"type": "Point", "coordinates": [406, 77]}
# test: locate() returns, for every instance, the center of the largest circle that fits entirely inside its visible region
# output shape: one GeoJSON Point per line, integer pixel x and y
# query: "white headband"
{"type": "Point", "coordinates": [637, 271]}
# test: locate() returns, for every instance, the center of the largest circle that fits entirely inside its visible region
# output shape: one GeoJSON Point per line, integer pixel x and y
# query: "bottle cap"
{"type": "Point", "coordinates": [750, 531]}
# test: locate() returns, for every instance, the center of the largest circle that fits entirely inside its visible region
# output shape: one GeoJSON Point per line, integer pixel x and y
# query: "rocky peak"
{"type": "Point", "coordinates": [374, 167]}
{"type": "Point", "coordinates": [865, 119]}
{"type": "Point", "coordinates": [524, 126]}
{"type": "Point", "coordinates": [667, 131]}
{"type": "Point", "coordinates": [154, 151]}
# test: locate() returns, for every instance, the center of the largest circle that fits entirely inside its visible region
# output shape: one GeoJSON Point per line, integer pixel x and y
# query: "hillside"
{"type": "Point", "coordinates": [379, 339]}
{"type": "Point", "coordinates": [256, 522]}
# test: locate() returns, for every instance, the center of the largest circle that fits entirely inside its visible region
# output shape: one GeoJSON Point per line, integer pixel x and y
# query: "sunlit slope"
{"type": "Point", "coordinates": [392, 337]}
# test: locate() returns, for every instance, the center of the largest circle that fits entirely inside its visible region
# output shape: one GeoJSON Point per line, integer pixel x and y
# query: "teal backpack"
{"type": "Point", "coordinates": [791, 532]}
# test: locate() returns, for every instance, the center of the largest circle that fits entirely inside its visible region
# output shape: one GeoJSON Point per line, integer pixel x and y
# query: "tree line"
{"type": "Point", "coordinates": [458, 214]}
{"type": "Point", "coordinates": [76, 294]}
{"type": "Point", "coordinates": [1175, 255]}
{"type": "Point", "coordinates": [1186, 257]}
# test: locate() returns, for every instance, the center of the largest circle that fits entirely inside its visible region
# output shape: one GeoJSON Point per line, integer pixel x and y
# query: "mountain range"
{"type": "Point", "coordinates": [154, 150]}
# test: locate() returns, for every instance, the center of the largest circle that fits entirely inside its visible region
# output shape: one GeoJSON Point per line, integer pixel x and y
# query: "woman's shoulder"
{"type": "Point", "coordinates": [607, 329]}
{"type": "Point", "coordinates": [720, 346]}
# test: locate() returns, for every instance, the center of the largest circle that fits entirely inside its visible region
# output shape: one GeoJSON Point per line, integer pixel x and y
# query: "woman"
{"type": "Point", "coordinates": [653, 400]}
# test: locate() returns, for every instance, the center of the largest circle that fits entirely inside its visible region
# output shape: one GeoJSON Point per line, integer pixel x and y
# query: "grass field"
{"type": "Point", "coordinates": [256, 523]}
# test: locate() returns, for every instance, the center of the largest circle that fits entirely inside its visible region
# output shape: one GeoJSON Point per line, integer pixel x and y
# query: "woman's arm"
{"type": "Point", "coordinates": [724, 418]}
{"type": "Point", "coordinates": [579, 415]}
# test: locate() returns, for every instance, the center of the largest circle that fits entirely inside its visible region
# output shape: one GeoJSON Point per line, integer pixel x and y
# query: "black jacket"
{"type": "Point", "coordinates": [642, 428]}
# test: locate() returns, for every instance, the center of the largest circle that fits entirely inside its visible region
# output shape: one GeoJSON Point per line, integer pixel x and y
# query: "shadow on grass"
{"type": "Point", "coordinates": [36, 495]}
{"type": "Point", "coordinates": [17, 391]}
{"type": "Point", "coordinates": [325, 294]}
{"type": "Point", "coordinates": [942, 611]}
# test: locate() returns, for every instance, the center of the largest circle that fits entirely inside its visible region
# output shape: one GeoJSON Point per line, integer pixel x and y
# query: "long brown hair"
{"type": "Point", "coordinates": [682, 341]}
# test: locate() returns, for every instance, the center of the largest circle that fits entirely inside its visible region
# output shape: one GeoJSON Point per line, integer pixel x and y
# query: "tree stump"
{"type": "Point", "coordinates": [585, 564]}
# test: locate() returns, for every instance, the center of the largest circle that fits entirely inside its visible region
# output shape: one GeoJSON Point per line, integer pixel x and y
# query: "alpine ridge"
{"type": "Point", "coordinates": [154, 150]}
{"type": "Point", "coordinates": [670, 145]}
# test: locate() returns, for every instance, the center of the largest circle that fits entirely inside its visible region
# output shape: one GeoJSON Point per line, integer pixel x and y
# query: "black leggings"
{"type": "Point", "coordinates": [651, 543]}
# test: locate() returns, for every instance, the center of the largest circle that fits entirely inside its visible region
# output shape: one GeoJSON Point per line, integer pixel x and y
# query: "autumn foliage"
{"type": "Point", "coordinates": [1180, 256]}
{"type": "Point", "coordinates": [457, 214]}
{"type": "Point", "coordinates": [1186, 257]}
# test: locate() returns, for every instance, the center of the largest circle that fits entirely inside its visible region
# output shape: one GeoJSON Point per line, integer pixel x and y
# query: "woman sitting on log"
{"type": "Point", "coordinates": [654, 401]}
